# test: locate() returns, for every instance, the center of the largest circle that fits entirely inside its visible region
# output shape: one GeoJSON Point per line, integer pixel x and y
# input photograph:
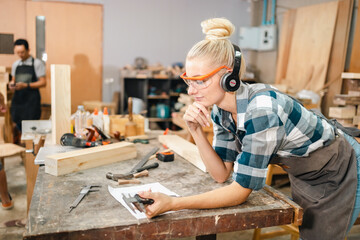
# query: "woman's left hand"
{"type": "Point", "coordinates": [162, 203]}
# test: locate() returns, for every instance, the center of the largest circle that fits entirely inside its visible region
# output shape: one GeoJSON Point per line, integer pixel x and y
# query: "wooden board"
{"type": "Point", "coordinates": [99, 214]}
{"type": "Point", "coordinates": [184, 148]}
{"type": "Point", "coordinates": [311, 45]}
{"type": "Point", "coordinates": [343, 99]}
{"type": "Point", "coordinates": [350, 75]}
{"type": "Point", "coordinates": [338, 54]}
{"type": "Point", "coordinates": [355, 52]}
{"type": "Point", "coordinates": [68, 162]}
{"type": "Point", "coordinates": [60, 101]}
{"type": "Point", "coordinates": [342, 112]}
{"type": "Point", "coordinates": [284, 45]}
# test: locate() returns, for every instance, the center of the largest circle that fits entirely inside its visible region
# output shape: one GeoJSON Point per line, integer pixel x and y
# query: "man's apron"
{"type": "Point", "coordinates": [25, 104]}
{"type": "Point", "coordinates": [324, 185]}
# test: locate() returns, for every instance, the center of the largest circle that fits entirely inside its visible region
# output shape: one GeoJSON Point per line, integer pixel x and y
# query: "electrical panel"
{"type": "Point", "coordinates": [262, 38]}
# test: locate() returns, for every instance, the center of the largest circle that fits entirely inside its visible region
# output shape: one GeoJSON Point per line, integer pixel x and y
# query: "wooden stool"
{"type": "Point", "coordinates": [10, 149]}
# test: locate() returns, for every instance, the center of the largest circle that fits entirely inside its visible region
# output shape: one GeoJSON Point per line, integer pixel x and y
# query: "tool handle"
{"type": "Point", "coordinates": [130, 103]}
{"type": "Point", "coordinates": [144, 173]}
{"type": "Point", "coordinates": [144, 200]}
{"type": "Point", "coordinates": [128, 181]}
{"type": "Point", "coordinates": [150, 166]}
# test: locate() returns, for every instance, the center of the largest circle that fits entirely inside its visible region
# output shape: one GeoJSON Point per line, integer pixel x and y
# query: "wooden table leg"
{"type": "Point", "coordinates": [206, 237]}
{"type": "Point", "coordinates": [31, 171]}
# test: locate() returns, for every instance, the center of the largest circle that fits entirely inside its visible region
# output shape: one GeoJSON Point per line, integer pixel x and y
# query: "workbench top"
{"type": "Point", "coordinates": [100, 216]}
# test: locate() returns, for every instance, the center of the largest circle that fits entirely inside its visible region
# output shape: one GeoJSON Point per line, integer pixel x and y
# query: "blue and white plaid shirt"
{"type": "Point", "coordinates": [268, 124]}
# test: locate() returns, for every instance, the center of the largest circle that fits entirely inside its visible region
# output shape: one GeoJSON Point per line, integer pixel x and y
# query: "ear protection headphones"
{"type": "Point", "coordinates": [230, 82]}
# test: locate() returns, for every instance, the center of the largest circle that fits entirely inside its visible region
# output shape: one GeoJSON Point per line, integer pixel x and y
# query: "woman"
{"type": "Point", "coordinates": [255, 125]}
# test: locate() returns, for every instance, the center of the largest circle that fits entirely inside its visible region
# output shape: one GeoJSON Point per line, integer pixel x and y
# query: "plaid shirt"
{"type": "Point", "coordinates": [268, 124]}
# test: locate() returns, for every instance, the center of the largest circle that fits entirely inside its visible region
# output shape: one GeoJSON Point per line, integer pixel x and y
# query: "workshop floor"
{"type": "Point", "coordinates": [12, 221]}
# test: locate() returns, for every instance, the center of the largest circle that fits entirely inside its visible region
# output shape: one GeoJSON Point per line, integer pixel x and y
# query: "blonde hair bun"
{"type": "Point", "coordinates": [217, 28]}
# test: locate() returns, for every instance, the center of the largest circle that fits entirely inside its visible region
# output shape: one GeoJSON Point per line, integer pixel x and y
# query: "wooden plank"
{"type": "Point", "coordinates": [347, 112]}
{"type": "Point", "coordinates": [184, 148]}
{"type": "Point", "coordinates": [60, 101]}
{"type": "Point", "coordinates": [285, 45]}
{"type": "Point", "coordinates": [344, 99]}
{"type": "Point", "coordinates": [311, 46]}
{"type": "Point", "coordinates": [350, 75]}
{"type": "Point", "coordinates": [68, 162]}
{"type": "Point", "coordinates": [338, 54]}
{"type": "Point", "coordinates": [355, 51]}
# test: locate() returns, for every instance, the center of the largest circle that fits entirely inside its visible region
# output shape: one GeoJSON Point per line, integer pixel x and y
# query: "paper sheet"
{"type": "Point", "coordinates": [131, 191]}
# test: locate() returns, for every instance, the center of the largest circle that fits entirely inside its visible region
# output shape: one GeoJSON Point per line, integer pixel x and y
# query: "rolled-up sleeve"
{"type": "Point", "coordinates": [224, 142]}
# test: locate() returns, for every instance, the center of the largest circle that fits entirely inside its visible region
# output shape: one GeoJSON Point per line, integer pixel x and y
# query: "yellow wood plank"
{"type": "Point", "coordinates": [184, 148]}
{"type": "Point", "coordinates": [60, 101]}
{"type": "Point", "coordinates": [355, 52]}
{"type": "Point", "coordinates": [68, 162]}
{"type": "Point", "coordinates": [284, 45]}
{"type": "Point", "coordinates": [311, 46]}
{"type": "Point", "coordinates": [338, 54]}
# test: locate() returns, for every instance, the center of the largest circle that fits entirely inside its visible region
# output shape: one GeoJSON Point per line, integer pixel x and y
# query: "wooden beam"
{"type": "Point", "coordinates": [347, 112]}
{"type": "Point", "coordinates": [60, 101]}
{"type": "Point", "coordinates": [74, 161]}
{"type": "Point", "coordinates": [338, 54]}
{"type": "Point", "coordinates": [285, 45]}
{"type": "Point", "coordinates": [355, 52]}
{"type": "Point", "coordinates": [184, 148]}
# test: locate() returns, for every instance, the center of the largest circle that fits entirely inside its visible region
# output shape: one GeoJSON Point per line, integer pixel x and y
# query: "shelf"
{"type": "Point", "coordinates": [160, 119]}
{"type": "Point", "coordinates": [157, 97]}
{"type": "Point", "coordinates": [174, 94]}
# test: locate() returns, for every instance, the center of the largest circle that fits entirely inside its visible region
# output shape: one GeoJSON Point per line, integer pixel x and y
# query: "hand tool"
{"type": "Point", "coordinates": [165, 156]}
{"type": "Point", "coordinates": [103, 135]}
{"type": "Point", "coordinates": [144, 160]}
{"type": "Point", "coordinates": [137, 202]}
{"type": "Point", "coordinates": [138, 167]}
{"type": "Point", "coordinates": [115, 177]}
{"type": "Point", "coordinates": [84, 191]}
{"type": "Point", "coordinates": [139, 139]}
{"type": "Point", "coordinates": [69, 139]}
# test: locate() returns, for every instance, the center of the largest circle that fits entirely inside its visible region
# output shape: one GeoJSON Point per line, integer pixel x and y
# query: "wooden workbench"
{"type": "Point", "coordinates": [100, 216]}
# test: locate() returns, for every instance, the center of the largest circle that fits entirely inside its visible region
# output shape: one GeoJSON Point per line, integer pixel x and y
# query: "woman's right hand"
{"type": "Point", "coordinates": [196, 116]}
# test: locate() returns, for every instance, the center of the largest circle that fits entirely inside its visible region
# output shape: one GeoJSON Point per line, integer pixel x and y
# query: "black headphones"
{"type": "Point", "coordinates": [230, 82]}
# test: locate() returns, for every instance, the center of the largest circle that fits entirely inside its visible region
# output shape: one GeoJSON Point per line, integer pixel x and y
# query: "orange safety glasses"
{"type": "Point", "coordinates": [201, 82]}
{"type": "Point", "coordinates": [203, 77]}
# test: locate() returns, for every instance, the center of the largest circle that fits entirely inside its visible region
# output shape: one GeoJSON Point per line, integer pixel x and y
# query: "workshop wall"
{"type": "Point", "coordinates": [159, 30]}
{"type": "Point", "coordinates": [265, 62]}
{"type": "Point", "coordinates": [12, 21]}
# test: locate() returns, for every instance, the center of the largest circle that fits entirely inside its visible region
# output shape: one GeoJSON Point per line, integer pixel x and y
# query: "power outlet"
{"type": "Point", "coordinates": [267, 37]}
{"type": "Point", "coordinates": [262, 38]}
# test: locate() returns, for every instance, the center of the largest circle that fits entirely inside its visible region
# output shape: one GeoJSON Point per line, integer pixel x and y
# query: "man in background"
{"type": "Point", "coordinates": [28, 76]}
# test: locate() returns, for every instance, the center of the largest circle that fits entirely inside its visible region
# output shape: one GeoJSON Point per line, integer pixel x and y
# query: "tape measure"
{"type": "Point", "coordinates": [165, 156]}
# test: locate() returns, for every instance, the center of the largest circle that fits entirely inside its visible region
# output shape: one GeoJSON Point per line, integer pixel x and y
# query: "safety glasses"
{"type": "Point", "coordinates": [200, 82]}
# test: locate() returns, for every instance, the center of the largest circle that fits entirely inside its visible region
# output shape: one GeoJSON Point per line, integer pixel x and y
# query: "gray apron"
{"type": "Point", "coordinates": [324, 185]}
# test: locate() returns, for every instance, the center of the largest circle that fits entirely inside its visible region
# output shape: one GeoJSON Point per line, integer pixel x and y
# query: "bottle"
{"type": "Point", "coordinates": [97, 120]}
{"type": "Point", "coordinates": [80, 122]}
{"type": "Point", "coordinates": [106, 120]}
